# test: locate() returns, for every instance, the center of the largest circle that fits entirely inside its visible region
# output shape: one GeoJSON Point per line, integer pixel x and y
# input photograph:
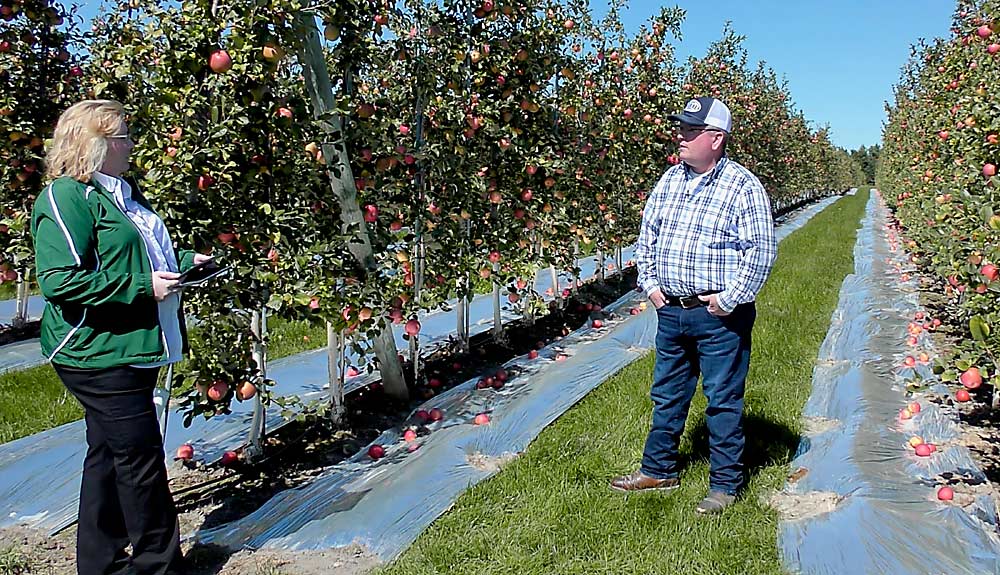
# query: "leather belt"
{"type": "Point", "coordinates": [687, 302]}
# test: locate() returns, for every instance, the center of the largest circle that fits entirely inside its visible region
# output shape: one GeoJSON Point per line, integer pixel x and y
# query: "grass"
{"type": "Point", "coordinates": [13, 563]}
{"type": "Point", "coordinates": [33, 400]}
{"type": "Point", "coordinates": [550, 511]}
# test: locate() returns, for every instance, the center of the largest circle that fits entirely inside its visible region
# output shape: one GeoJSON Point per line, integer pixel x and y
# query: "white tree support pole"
{"type": "Point", "coordinates": [317, 79]}
{"type": "Point", "coordinates": [21, 313]}
{"type": "Point", "coordinates": [497, 325]}
{"type": "Point", "coordinates": [255, 441]}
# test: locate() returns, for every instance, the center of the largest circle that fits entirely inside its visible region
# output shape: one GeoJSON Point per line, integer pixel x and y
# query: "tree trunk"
{"type": "Point", "coordinates": [317, 79]}
{"type": "Point", "coordinates": [600, 265]}
{"type": "Point", "coordinates": [335, 373]}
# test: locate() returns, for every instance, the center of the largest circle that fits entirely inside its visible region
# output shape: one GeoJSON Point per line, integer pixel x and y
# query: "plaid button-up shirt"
{"type": "Point", "coordinates": [717, 237]}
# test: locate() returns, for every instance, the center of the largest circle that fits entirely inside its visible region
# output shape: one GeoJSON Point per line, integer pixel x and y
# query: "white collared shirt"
{"type": "Point", "coordinates": [161, 256]}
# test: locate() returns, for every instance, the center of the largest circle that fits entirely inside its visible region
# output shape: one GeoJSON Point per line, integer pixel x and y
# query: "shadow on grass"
{"type": "Point", "coordinates": [768, 443]}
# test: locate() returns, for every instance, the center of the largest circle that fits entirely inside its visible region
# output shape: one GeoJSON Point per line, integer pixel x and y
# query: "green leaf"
{"type": "Point", "coordinates": [979, 328]}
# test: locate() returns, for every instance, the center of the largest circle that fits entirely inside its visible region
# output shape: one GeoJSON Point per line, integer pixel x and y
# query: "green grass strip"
{"type": "Point", "coordinates": [551, 511]}
{"type": "Point", "coordinates": [33, 400]}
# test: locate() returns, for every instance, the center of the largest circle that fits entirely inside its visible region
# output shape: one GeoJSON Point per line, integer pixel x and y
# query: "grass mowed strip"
{"type": "Point", "coordinates": [551, 511]}
{"type": "Point", "coordinates": [33, 400]}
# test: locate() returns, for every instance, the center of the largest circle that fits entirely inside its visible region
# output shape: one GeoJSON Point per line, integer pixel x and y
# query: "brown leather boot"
{"type": "Point", "coordinates": [640, 482]}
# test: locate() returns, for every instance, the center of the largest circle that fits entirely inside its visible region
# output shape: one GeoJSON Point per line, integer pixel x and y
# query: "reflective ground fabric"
{"type": "Point", "coordinates": [859, 500]}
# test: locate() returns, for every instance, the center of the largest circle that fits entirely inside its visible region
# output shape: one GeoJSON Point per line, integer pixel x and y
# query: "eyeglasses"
{"type": "Point", "coordinates": [693, 131]}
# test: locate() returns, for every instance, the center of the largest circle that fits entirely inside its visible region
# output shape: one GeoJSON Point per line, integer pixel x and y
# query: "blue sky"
{"type": "Point", "coordinates": [840, 57]}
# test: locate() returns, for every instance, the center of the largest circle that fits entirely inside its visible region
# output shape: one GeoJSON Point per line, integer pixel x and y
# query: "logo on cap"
{"type": "Point", "coordinates": [693, 106]}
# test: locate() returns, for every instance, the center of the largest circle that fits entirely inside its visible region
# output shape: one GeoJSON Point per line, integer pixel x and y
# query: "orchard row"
{"type": "Point", "coordinates": [364, 161]}
{"type": "Point", "coordinates": [939, 162]}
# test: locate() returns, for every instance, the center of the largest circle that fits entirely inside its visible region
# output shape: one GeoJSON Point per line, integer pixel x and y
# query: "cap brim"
{"type": "Point", "coordinates": [686, 118]}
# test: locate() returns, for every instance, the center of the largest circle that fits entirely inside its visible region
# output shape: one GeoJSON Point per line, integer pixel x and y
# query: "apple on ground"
{"type": "Point", "coordinates": [376, 451]}
{"type": "Point", "coordinates": [229, 458]}
{"type": "Point", "coordinates": [962, 396]}
{"type": "Point", "coordinates": [436, 414]}
{"type": "Point", "coordinates": [409, 435]}
{"type": "Point", "coordinates": [946, 493]}
{"type": "Point", "coordinates": [482, 419]}
{"type": "Point", "coordinates": [922, 450]}
{"type": "Point", "coordinates": [185, 452]}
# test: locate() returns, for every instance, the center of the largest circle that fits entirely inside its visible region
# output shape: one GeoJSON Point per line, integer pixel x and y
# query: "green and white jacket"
{"type": "Point", "coordinates": [96, 276]}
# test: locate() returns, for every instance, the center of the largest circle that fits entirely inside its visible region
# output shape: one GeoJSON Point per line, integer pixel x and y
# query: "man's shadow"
{"type": "Point", "coordinates": [767, 443]}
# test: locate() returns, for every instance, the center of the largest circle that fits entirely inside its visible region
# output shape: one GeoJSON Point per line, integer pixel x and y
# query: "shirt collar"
{"type": "Point", "coordinates": [116, 186]}
{"type": "Point", "coordinates": [709, 175]}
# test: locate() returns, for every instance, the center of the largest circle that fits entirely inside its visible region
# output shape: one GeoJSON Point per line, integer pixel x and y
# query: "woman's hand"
{"type": "Point", "coordinates": [162, 282]}
{"type": "Point", "coordinates": [201, 258]}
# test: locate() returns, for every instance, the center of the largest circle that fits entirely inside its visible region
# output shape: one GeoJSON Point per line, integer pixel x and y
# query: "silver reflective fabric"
{"type": "Point", "coordinates": [40, 474]}
{"type": "Point", "coordinates": [385, 504]}
{"type": "Point", "coordinates": [859, 500]}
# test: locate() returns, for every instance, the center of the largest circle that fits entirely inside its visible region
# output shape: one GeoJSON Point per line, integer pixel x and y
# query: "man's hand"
{"type": "Point", "coordinates": [657, 299]}
{"type": "Point", "coordinates": [713, 305]}
{"type": "Point", "coordinates": [201, 258]}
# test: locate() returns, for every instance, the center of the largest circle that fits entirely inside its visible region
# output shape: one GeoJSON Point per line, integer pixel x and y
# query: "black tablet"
{"type": "Point", "coordinates": [200, 274]}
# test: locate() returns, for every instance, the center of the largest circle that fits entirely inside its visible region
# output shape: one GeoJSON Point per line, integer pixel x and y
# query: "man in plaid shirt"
{"type": "Point", "coordinates": [705, 248]}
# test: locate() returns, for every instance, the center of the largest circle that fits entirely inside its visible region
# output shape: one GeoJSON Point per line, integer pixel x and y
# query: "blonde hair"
{"type": "Point", "coordinates": [79, 146]}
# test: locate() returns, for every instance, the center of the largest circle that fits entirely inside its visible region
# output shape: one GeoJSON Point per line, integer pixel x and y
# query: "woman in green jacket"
{"type": "Point", "coordinates": [106, 267]}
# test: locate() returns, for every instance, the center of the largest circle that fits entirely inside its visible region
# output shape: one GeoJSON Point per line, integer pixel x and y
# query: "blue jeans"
{"type": "Point", "coordinates": [689, 343]}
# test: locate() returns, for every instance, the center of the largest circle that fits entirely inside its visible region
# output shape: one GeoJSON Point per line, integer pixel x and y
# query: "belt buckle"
{"type": "Point", "coordinates": [692, 300]}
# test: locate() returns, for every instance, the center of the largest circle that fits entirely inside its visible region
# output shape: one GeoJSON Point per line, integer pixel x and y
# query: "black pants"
{"type": "Point", "coordinates": [124, 496]}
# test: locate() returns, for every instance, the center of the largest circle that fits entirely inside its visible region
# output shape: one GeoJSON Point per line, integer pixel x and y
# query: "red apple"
{"type": "Point", "coordinates": [990, 272]}
{"type": "Point", "coordinates": [482, 419]}
{"type": "Point", "coordinates": [922, 450]}
{"type": "Point", "coordinates": [409, 435]}
{"type": "Point", "coordinates": [910, 361]}
{"type": "Point", "coordinates": [962, 396]}
{"type": "Point", "coordinates": [433, 382]}
{"type": "Point", "coordinates": [205, 181]}
{"type": "Point", "coordinates": [376, 451]}
{"type": "Point", "coordinates": [914, 407]}
{"type": "Point", "coordinates": [220, 61]}
{"type": "Point", "coordinates": [352, 371]}
{"type": "Point", "coordinates": [532, 354]}
{"type": "Point", "coordinates": [494, 256]}
{"type": "Point", "coordinates": [370, 213]}
{"type": "Point", "coordinates": [993, 48]}
{"type": "Point", "coordinates": [422, 415]}
{"type": "Point", "coordinates": [946, 493]}
{"type": "Point", "coordinates": [984, 31]}
{"type": "Point", "coordinates": [246, 391]}
{"type": "Point", "coordinates": [218, 390]}
{"type": "Point", "coordinates": [598, 323]}
{"type": "Point", "coordinates": [185, 452]}
{"type": "Point", "coordinates": [435, 414]}
{"type": "Point", "coordinates": [943, 134]}
{"type": "Point", "coordinates": [412, 327]}
{"type": "Point", "coordinates": [989, 170]}
{"type": "Point", "coordinates": [971, 378]}
{"type": "Point", "coordinates": [284, 112]}
{"type": "Point", "coordinates": [230, 458]}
